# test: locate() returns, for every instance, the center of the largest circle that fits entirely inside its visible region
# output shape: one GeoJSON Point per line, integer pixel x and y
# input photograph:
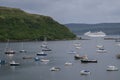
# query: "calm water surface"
{"type": "Point", "coordinates": [32, 70]}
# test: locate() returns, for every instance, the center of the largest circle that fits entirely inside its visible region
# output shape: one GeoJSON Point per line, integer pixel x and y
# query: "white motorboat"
{"type": "Point", "coordinates": [95, 34]}
{"type": "Point", "coordinates": [13, 63]}
{"type": "Point", "coordinates": [44, 60]}
{"type": "Point", "coordinates": [55, 69]}
{"type": "Point", "coordinates": [23, 51]}
{"type": "Point", "coordinates": [84, 72]}
{"type": "Point", "coordinates": [77, 44]}
{"type": "Point", "coordinates": [101, 50]}
{"type": "Point", "coordinates": [99, 46]}
{"type": "Point", "coordinates": [112, 68]}
{"type": "Point", "coordinates": [68, 64]}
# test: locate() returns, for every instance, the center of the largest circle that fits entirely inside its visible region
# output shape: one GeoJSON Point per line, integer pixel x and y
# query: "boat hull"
{"type": "Point", "coordinates": [7, 52]}
{"type": "Point", "coordinates": [88, 61]}
{"type": "Point", "coordinates": [41, 54]}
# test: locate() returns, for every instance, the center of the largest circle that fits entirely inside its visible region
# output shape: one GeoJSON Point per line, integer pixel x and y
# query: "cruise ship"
{"type": "Point", "coordinates": [95, 34]}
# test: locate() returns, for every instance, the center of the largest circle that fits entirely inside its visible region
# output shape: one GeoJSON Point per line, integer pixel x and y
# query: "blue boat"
{"type": "Point", "coordinates": [37, 59]}
{"type": "Point", "coordinates": [2, 62]}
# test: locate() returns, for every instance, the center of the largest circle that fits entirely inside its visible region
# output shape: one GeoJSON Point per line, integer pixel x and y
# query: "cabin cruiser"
{"type": "Point", "coordinates": [95, 34]}
{"type": "Point", "coordinates": [55, 69]}
{"type": "Point", "coordinates": [84, 72]}
{"type": "Point", "coordinates": [112, 68]}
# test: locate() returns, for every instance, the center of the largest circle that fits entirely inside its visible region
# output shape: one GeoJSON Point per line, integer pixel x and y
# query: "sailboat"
{"type": "Point", "coordinates": [44, 45]}
{"type": "Point", "coordinates": [13, 63]}
{"type": "Point", "coordinates": [8, 50]}
{"type": "Point", "coordinates": [22, 50]}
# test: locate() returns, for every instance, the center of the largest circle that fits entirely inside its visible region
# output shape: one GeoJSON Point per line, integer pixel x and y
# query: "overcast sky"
{"type": "Point", "coordinates": [71, 11]}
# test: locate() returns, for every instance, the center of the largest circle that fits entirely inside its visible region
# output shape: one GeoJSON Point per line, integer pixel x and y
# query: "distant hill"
{"type": "Point", "coordinates": [16, 24]}
{"type": "Point", "coordinates": [108, 28]}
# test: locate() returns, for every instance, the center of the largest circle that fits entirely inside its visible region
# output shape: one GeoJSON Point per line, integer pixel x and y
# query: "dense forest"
{"type": "Point", "coordinates": [16, 24]}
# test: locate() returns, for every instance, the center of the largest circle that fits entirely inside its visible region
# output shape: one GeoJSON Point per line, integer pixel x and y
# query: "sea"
{"type": "Point", "coordinates": [30, 69]}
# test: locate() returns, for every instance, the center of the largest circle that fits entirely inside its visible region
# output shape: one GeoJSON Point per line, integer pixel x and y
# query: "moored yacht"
{"type": "Point", "coordinates": [13, 63]}
{"type": "Point", "coordinates": [112, 68]}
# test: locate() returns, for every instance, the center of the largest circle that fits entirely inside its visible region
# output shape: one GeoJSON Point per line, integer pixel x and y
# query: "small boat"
{"type": "Point", "coordinates": [112, 68]}
{"type": "Point", "coordinates": [37, 59]}
{"type": "Point", "coordinates": [22, 51]}
{"type": "Point", "coordinates": [46, 49]}
{"type": "Point", "coordinates": [44, 44]}
{"type": "Point", "coordinates": [117, 40]}
{"type": "Point", "coordinates": [88, 61]}
{"type": "Point", "coordinates": [9, 52]}
{"type": "Point", "coordinates": [84, 72]}
{"type": "Point", "coordinates": [77, 44]}
{"type": "Point", "coordinates": [55, 69]}
{"type": "Point", "coordinates": [72, 52]}
{"type": "Point", "coordinates": [77, 57]}
{"type": "Point", "coordinates": [2, 62]}
{"type": "Point", "coordinates": [99, 46]}
{"type": "Point", "coordinates": [77, 47]}
{"type": "Point", "coordinates": [13, 63]}
{"type": "Point", "coordinates": [101, 50]}
{"type": "Point", "coordinates": [41, 54]}
{"type": "Point", "coordinates": [27, 57]}
{"type": "Point", "coordinates": [44, 60]}
{"type": "Point", "coordinates": [68, 64]}
{"type": "Point", "coordinates": [118, 56]}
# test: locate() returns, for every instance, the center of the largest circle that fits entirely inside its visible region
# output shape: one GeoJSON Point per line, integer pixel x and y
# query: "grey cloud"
{"type": "Point", "coordinates": [69, 11]}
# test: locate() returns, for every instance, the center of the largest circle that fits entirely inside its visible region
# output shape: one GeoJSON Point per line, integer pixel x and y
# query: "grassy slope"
{"type": "Point", "coordinates": [16, 24]}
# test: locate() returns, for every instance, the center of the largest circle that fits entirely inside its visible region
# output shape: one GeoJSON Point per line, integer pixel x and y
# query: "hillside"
{"type": "Point", "coordinates": [16, 24]}
{"type": "Point", "coordinates": [108, 28]}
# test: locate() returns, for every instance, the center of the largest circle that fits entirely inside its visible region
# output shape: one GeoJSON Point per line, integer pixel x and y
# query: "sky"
{"type": "Point", "coordinates": [71, 11]}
